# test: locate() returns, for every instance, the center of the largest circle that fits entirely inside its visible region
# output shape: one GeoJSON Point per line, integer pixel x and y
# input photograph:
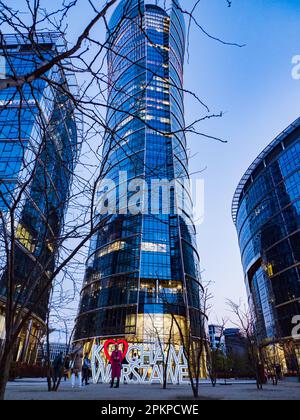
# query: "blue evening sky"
{"type": "Point", "coordinates": [254, 88]}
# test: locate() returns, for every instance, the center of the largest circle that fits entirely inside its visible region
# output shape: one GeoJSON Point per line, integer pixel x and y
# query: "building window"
{"type": "Point", "coordinates": [25, 237]}
{"type": "Point", "coordinates": [152, 247]}
{"type": "Point", "coordinates": [116, 246]}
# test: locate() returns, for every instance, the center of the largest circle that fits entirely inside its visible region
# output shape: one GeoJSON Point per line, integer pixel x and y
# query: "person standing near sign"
{"type": "Point", "coordinates": [116, 366]}
{"type": "Point", "coordinates": [76, 369]}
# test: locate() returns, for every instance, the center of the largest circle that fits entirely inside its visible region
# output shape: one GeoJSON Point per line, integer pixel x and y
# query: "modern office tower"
{"type": "Point", "coordinates": [32, 116]}
{"type": "Point", "coordinates": [266, 212]}
{"type": "Point", "coordinates": [143, 266]}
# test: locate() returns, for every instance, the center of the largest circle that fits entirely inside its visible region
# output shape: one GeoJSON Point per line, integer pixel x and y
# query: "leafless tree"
{"type": "Point", "coordinates": [164, 341]}
{"type": "Point", "coordinates": [53, 249]}
{"type": "Point", "coordinates": [193, 335]}
{"type": "Point", "coordinates": [59, 243]}
{"type": "Point", "coordinates": [59, 321]}
{"type": "Point", "coordinates": [245, 321]}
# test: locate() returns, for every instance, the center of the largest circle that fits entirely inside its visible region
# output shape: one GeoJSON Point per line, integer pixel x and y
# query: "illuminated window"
{"type": "Point", "coordinates": [25, 238]}
{"type": "Point", "coordinates": [270, 270]}
{"type": "Point", "coordinates": [124, 122]}
{"type": "Point", "coordinates": [152, 247]}
{"type": "Point", "coordinates": [165, 120]}
{"type": "Point", "coordinates": [2, 327]}
{"type": "Point", "coordinates": [116, 246]}
{"type": "Point", "coordinates": [50, 247]}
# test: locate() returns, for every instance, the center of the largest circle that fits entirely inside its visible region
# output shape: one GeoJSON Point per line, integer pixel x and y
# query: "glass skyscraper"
{"type": "Point", "coordinates": [143, 267]}
{"type": "Point", "coordinates": [266, 211]}
{"type": "Point", "coordinates": [33, 115]}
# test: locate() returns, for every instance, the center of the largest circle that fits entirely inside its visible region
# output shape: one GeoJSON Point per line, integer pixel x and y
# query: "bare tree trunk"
{"type": "Point", "coordinates": [48, 361]}
{"type": "Point", "coordinates": [196, 393]}
{"type": "Point", "coordinates": [168, 355]}
{"type": "Point", "coordinates": [4, 369]}
{"type": "Point", "coordinates": [165, 377]}
{"type": "Point", "coordinates": [258, 382]}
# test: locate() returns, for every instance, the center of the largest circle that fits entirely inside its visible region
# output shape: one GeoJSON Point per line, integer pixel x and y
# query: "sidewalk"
{"type": "Point", "coordinates": [26, 389]}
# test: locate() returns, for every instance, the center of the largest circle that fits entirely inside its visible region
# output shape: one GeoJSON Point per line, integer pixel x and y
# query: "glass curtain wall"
{"type": "Point", "coordinates": [28, 116]}
{"type": "Point", "coordinates": [267, 215]}
{"type": "Point", "coordinates": [143, 267]}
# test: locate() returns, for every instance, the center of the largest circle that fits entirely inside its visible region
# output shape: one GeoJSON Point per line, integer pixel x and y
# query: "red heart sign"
{"type": "Point", "coordinates": [116, 343]}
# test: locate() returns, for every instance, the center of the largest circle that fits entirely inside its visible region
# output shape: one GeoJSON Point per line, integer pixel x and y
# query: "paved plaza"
{"type": "Point", "coordinates": [37, 390]}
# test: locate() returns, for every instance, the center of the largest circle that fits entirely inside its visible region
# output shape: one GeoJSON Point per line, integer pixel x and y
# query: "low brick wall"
{"type": "Point", "coordinates": [23, 370]}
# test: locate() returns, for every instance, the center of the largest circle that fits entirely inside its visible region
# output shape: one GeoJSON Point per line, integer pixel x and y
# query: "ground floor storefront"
{"type": "Point", "coordinates": [285, 355]}
{"type": "Point", "coordinates": [29, 342]}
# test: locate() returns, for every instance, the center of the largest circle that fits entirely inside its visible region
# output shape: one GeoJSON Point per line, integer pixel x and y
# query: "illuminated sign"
{"type": "Point", "coordinates": [142, 363]}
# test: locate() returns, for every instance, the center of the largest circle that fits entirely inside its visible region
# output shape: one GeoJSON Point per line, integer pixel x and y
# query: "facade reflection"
{"type": "Point", "coordinates": [40, 215]}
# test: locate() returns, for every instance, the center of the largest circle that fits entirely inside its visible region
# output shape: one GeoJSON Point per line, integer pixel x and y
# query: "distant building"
{"type": "Point", "coordinates": [216, 337]}
{"type": "Point", "coordinates": [235, 342]}
{"type": "Point", "coordinates": [55, 350]}
{"type": "Point", "coordinates": [237, 353]}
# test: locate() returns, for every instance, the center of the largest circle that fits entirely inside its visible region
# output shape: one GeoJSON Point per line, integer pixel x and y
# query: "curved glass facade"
{"type": "Point", "coordinates": [143, 266]}
{"type": "Point", "coordinates": [266, 212]}
{"type": "Point", "coordinates": [27, 116]}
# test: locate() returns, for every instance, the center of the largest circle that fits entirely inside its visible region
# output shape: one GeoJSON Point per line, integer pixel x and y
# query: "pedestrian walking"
{"type": "Point", "coordinates": [67, 368]}
{"type": "Point", "coordinates": [57, 368]}
{"type": "Point", "coordinates": [86, 368]}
